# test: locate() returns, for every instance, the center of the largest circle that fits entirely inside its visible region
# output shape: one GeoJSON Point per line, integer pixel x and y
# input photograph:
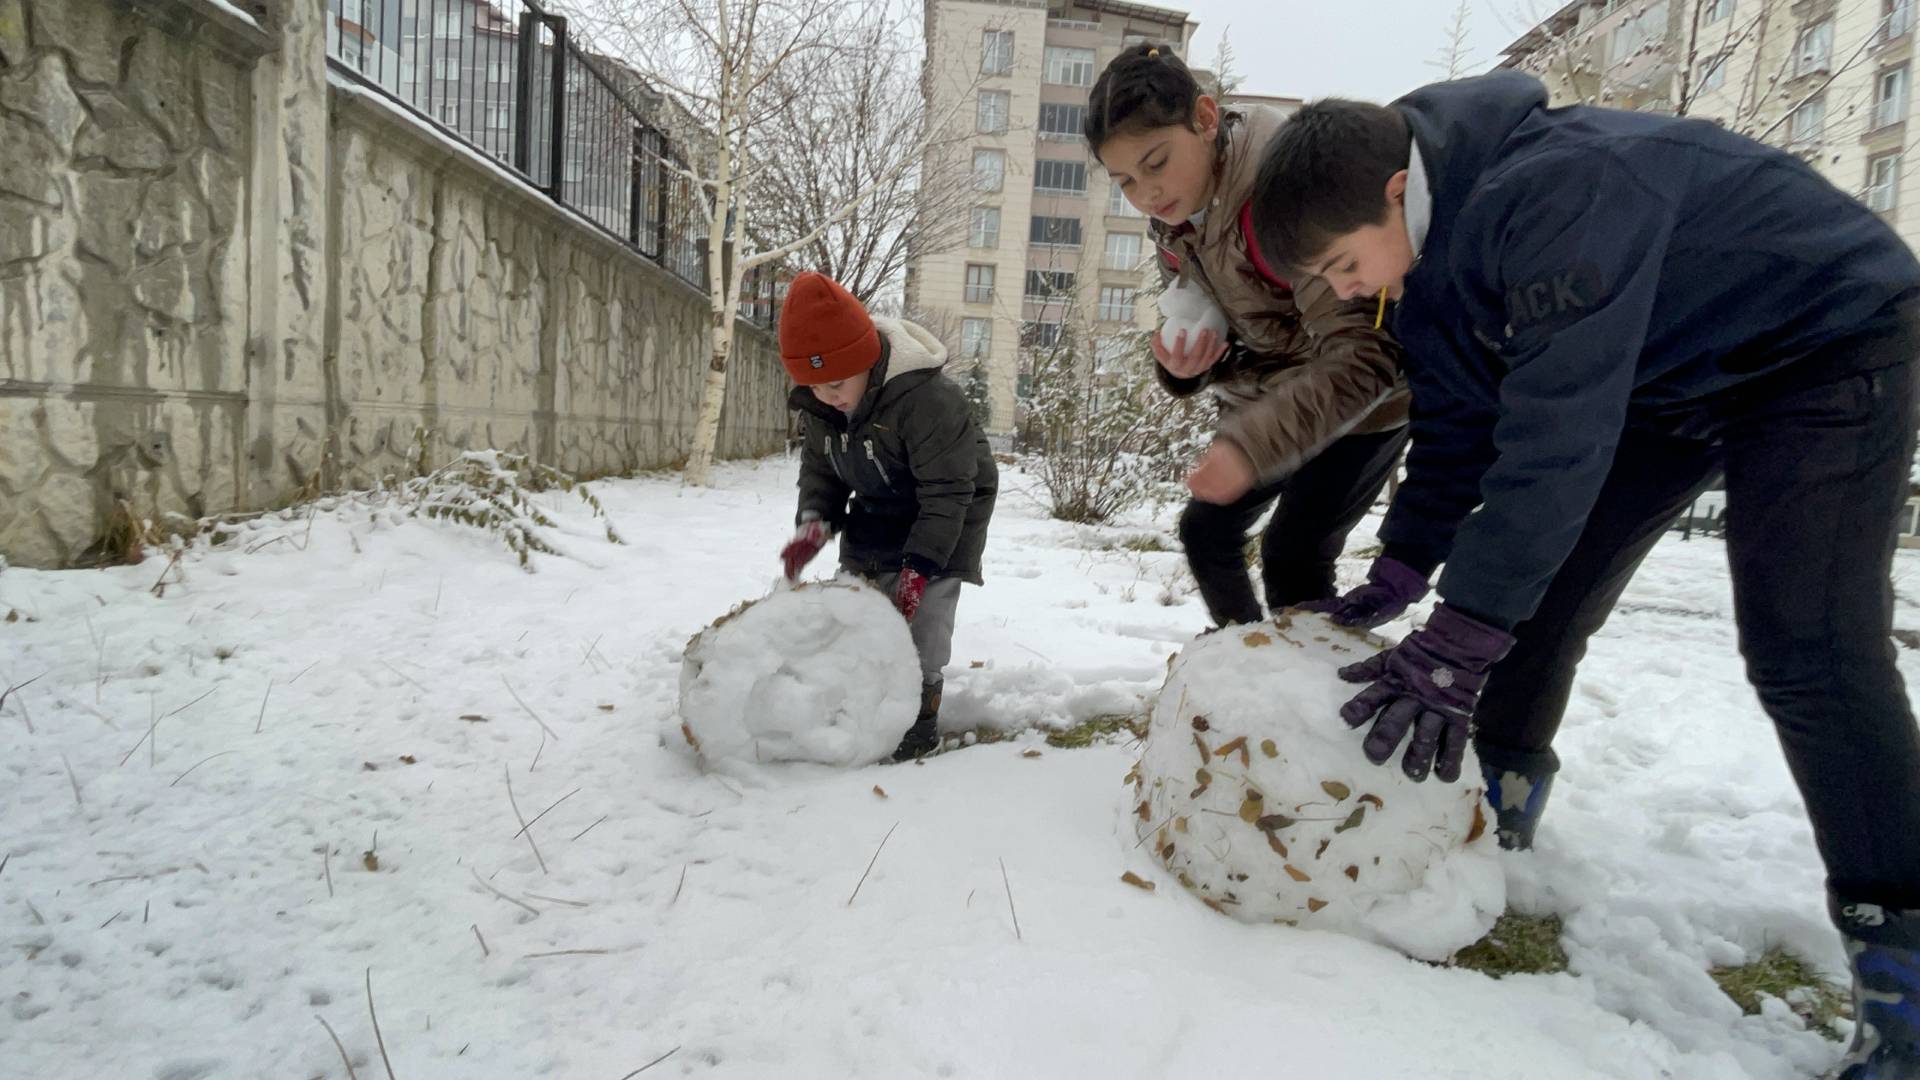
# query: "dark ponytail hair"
{"type": "Point", "coordinates": [1145, 87]}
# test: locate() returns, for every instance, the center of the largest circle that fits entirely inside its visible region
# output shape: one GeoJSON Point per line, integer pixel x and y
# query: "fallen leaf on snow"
{"type": "Point", "coordinates": [1137, 881]}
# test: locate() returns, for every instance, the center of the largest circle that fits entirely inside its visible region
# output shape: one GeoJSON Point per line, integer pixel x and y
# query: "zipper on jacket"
{"type": "Point", "coordinates": [875, 458]}
{"type": "Point", "coordinates": [834, 458]}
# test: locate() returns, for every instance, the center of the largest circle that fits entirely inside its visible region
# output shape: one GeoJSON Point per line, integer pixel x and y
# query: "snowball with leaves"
{"type": "Point", "coordinates": [823, 672]}
{"type": "Point", "coordinates": [1254, 794]}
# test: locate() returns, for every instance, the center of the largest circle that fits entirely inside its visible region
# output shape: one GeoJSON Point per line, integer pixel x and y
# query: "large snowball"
{"type": "Point", "coordinates": [824, 672]}
{"type": "Point", "coordinates": [1257, 797]}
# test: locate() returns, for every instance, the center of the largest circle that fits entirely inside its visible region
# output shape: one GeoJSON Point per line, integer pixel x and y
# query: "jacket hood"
{"type": "Point", "coordinates": [1460, 127]}
{"type": "Point", "coordinates": [911, 347]}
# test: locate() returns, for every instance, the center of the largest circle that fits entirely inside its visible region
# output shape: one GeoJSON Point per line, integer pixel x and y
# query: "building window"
{"type": "Point", "coordinates": [446, 24]}
{"type": "Point", "coordinates": [1716, 10]}
{"type": "Point", "coordinates": [1055, 231]}
{"type": "Point", "coordinates": [979, 283]}
{"type": "Point", "coordinates": [991, 117]}
{"type": "Point", "coordinates": [446, 68]}
{"type": "Point", "coordinates": [1069, 67]}
{"type": "Point", "coordinates": [976, 337]}
{"type": "Point", "coordinates": [1039, 335]}
{"type": "Point", "coordinates": [989, 170]}
{"type": "Point", "coordinates": [499, 116]}
{"type": "Point", "coordinates": [1060, 177]}
{"type": "Point", "coordinates": [500, 71]}
{"type": "Point", "coordinates": [1814, 51]}
{"type": "Point", "coordinates": [1809, 122]}
{"type": "Point", "coordinates": [450, 113]}
{"type": "Point", "coordinates": [353, 52]}
{"type": "Point", "coordinates": [1899, 18]}
{"type": "Point", "coordinates": [1123, 252]}
{"type": "Point", "coordinates": [1712, 74]}
{"type": "Point", "coordinates": [1890, 97]}
{"type": "Point", "coordinates": [1044, 286]}
{"type": "Point", "coordinates": [996, 52]}
{"type": "Point", "coordinates": [1116, 304]}
{"type": "Point", "coordinates": [1641, 29]}
{"type": "Point", "coordinates": [1883, 183]}
{"type": "Point", "coordinates": [1117, 204]}
{"type": "Point", "coordinates": [984, 230]}
{"type": "Point", "coordinates": [1063, 122]}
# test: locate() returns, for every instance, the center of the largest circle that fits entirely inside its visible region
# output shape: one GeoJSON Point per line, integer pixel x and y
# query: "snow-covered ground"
{"type": "Point", "coordinates": [229, 809]}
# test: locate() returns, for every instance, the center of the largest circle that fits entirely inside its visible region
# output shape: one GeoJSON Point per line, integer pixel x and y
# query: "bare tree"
{"type": "Point", "coordinates": [733, 68]}
{"type": "Point", "coordinates": [1455, 58]}
{"type": "Point", "coordinates": [863, 122]}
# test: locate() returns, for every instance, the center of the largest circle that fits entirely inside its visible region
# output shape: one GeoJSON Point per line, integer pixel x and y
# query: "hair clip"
{"type": "Point", "coordinates": [1153, 54]}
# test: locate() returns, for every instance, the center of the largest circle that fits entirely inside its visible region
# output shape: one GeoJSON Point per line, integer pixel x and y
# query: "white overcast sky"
{"type": "Point", "coordinates": [1375, 49]}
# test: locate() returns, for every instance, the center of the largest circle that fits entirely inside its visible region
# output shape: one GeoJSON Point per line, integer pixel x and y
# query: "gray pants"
{"type": "Point", "coordinates": [932, 625]}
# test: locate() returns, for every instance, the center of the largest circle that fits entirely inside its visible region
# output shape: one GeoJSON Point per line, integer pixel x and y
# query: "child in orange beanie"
{"type": "Point", "coordinates": [892, 463]}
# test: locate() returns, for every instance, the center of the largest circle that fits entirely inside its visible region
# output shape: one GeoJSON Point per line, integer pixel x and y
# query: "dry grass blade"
{"type": "Point", "coordinates": [515, 803]}
{"type": "Point", "coordinates": [544, 813]}
{"type": "Point", "coordinates": [651, 1064]}
{"type": "Point", "coordinates": [77, 801]}
{"type": "Point", "coordinates": [1010, 909]}
{"type": "Point", "coordinates": [529, 709]}
{"type": "Point", "coordinates": [326, 864]}
{"type": "Point", "coordinates": [484, 951]}
{"type": "Point", "coordinates": [403, 676]}
{"type": "Point", "coordinates": [683, 884]}
{"type": "Point", "coordinates": [528, 908]}
{"type": "Point", "coordinates": [262, 718]}
{"type": "Point", "coordinates": [8, 692]}
{"type": "Point", "coordinates": [567, 952]}
{"type": "Point", "coordinates": [303, 671]}
{"type": "Point", "coordinates": [191, 704]}
{"type": "Point", "coordinates": [377, 1037]}
{"type": "Point", "coordinates": [870, 862]}
{"type": "Point", "coordinates": [558, 900]}
{"type": "Point", "coordinates": [344, 1060]}
{"type": "Point", "coordinates": [589, 828]}
{"type": "Point", "coordinates": [4, 860]}
{"type": "Point", "coordinates": [196, 765]}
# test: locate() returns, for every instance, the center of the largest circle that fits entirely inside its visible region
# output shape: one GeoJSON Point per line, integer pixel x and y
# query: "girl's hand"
{"type": "Point", "coordinates": [1223, 475]}
{"type": "Point", "coordinates": [1186, 359]}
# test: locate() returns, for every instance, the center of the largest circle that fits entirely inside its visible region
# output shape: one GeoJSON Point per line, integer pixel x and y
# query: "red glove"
{"type": "Point", "coordinates": [808, 539]}
{"type": "Point", "coordinates": [908, 591]}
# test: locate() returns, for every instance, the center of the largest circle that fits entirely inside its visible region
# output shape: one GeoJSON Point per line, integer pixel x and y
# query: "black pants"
{"type": "Point", "coordinates": [1319, 506]}
{"type": "Point", "coordinates": [1816, 479]}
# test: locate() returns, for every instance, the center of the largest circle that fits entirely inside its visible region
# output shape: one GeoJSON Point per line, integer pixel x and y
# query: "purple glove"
{"type": "Point", "coordinates": [1392, 586]}
{"type": "Point", "coordinates": [1428, 683]}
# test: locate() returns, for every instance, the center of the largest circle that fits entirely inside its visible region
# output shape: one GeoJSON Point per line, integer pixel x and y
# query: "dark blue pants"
{"type": "Point", "coordinates": [1318, 506]}
{"type": "Point", "coordinates": [1816, 473]}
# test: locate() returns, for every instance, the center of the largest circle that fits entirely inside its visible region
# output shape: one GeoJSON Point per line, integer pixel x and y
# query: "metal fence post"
{"type": "Point", "coordinates": [556, 149]}
{"type": "Point", "coordinates": [523, 93]}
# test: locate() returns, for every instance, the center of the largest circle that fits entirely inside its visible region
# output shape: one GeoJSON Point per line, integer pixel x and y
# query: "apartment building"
{"type": "Point", "coordinates": [1051, 245]}
{"type": "Point", "coordinates": [1830, 80]}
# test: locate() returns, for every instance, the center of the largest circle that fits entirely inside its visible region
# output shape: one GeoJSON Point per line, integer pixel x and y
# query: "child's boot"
{"type": "Point", "coordinates": [1517, 785]}
{"type": "Point", "coordinates": [1883, 946]}
{"type": "Point", "coordinates": [924, 736]}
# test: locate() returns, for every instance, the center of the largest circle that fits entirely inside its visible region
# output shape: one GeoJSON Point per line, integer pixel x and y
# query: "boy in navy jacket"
{"type": "Point", "coordinates": [1603, 312]}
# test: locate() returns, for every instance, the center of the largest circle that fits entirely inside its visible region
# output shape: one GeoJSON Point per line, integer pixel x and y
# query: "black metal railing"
{"type": "Point", "coordinates": [508, 80]}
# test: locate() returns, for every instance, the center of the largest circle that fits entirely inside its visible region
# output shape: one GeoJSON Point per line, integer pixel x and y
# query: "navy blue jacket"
{"type": "Point", "coordinates": [1587, 268]}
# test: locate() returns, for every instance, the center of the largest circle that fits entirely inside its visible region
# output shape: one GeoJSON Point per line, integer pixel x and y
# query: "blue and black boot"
{"type": "Point", "coordinates": [1517, 785]}
{"type": "Point", "coordinates": [1883, 947]}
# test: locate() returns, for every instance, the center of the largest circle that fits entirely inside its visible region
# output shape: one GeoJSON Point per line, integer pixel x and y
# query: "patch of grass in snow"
{"type": "Point", "coordinates": [1518, 945]}
{"type": "Point", "coordinates": [1145, 542]}
{"type": "Point", "coordinates": [1368, 553]}
{"type": "Point", "coordinates": [1099, 729]}
{"type": "Point", "coordinates": [1781, 974]}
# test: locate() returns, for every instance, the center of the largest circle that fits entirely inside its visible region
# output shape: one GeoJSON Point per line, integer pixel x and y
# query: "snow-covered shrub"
{"type": "Point", "coordinates": [1255, 795]}
{"type": "Point", "coordinates": [823, 672]}
{"type": "Point", "coordinates": [1101, 435]}
{"type": "Point", "coordinates": [489, 490]}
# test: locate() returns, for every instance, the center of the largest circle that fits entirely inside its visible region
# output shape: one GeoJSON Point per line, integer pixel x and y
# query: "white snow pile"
{"type": "Point", "coordinates": [1256, 796]}
{"type": "Point", "coordinates": [823, 672]}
